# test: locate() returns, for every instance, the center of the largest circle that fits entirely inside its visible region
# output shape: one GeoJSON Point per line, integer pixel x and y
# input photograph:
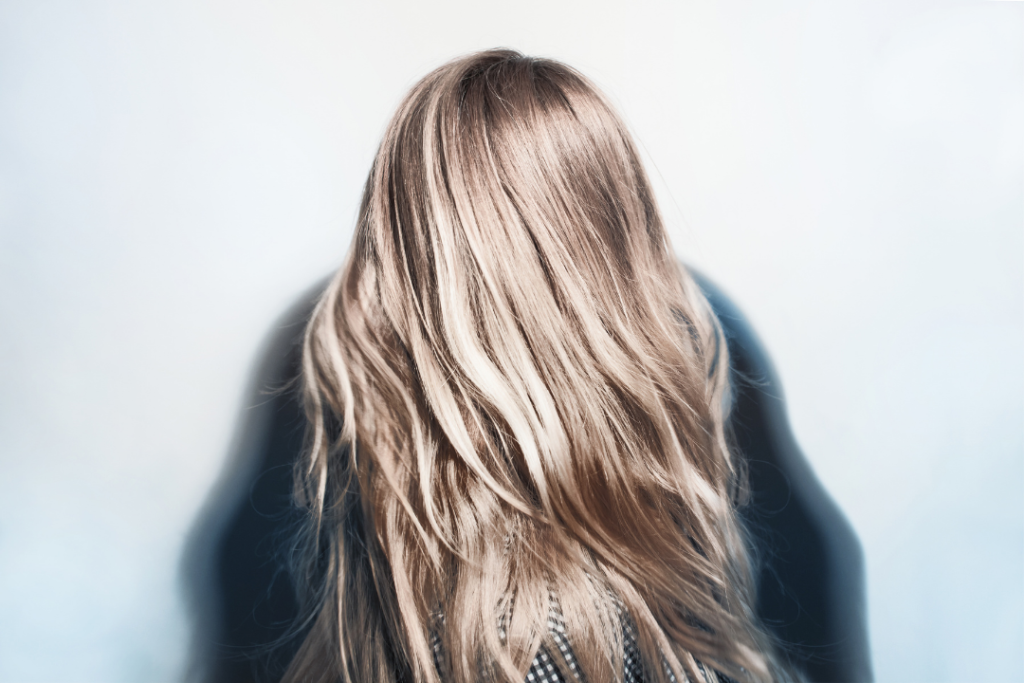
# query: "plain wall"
{"type": "Point", "coordinates": [173, 175]}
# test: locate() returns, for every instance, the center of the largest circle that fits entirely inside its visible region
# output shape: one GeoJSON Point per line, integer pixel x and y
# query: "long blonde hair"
{"type": "Point", "coordinates": [517, 397]}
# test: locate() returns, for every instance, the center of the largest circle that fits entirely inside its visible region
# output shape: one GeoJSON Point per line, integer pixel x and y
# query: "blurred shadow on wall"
{"type": "Point", "coordinates": [234, 566]}
{"type": "Point", "coordinates": [810, 578]}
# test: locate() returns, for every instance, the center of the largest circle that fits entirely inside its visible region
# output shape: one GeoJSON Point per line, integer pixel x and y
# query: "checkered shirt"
{"type": "Point", "coordinates": [544, 670]}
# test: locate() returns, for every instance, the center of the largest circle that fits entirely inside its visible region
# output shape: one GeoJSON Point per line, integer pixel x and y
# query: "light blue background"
{"type": "Point", "coordinates": [173, 175]}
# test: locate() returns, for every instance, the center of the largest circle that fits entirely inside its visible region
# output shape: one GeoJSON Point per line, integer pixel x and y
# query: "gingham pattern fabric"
{"type": "Point", "coordinates": [544, 670]}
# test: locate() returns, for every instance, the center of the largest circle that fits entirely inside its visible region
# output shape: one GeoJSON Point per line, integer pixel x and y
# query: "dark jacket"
{"type": "Point", "coordinates": [810, 576]}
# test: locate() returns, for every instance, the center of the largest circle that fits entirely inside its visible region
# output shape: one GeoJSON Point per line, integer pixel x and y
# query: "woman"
{"type": "Point", "coordinates": [518, 464]}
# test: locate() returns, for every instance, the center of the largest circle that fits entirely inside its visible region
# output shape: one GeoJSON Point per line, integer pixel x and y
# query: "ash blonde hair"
{"type": "Point", "coordinates": [517, 397]}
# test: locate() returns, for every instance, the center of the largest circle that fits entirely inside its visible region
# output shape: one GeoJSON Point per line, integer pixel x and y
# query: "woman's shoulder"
{"type": "Point", "coordinates": [811, 567]}
{"type": "Point", "coordinates": [744, 345]}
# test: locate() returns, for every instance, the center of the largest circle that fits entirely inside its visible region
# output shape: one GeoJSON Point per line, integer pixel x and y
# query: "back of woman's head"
{"type": "Point", "coordinates": [517, 399]}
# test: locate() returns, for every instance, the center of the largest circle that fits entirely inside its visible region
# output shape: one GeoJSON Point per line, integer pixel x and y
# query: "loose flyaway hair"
{"type": "Point", "coordinates": [516, 399]}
